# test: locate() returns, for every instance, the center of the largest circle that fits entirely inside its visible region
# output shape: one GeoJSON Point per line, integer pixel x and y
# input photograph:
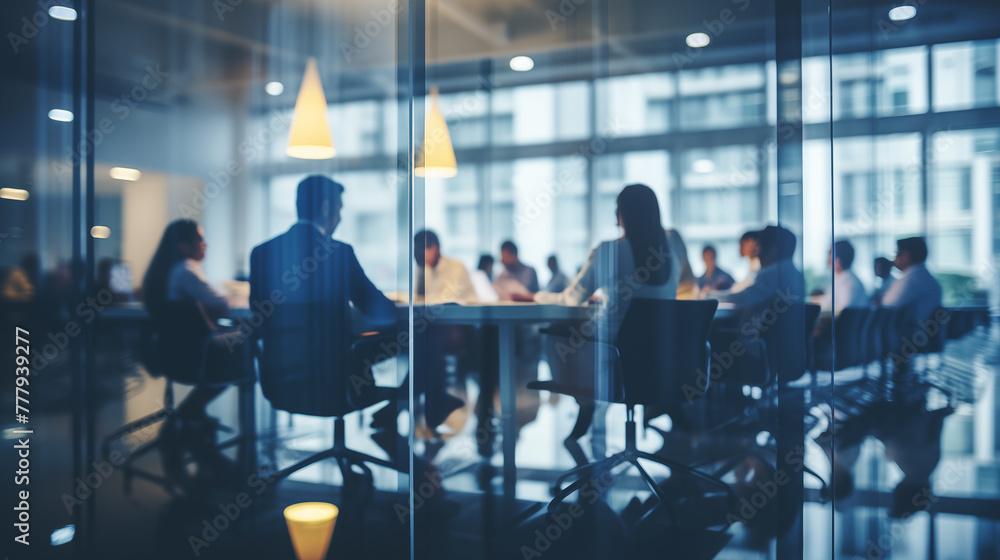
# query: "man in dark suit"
{"type": "Point", "coordinates": [305, 283]}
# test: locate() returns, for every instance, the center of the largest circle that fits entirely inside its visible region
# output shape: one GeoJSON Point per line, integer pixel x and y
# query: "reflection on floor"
{"type": "Point", "coordinates": [468, 519]}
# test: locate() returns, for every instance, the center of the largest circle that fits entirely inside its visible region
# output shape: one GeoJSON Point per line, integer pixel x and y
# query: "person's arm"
{"type": "Point", "coordinates": [463, 283]}
{"type": "Point", "coordinates": [192, 285]}
{"type": "Point", "coordinates": [366, 297]}
{"type": "Point", "coordinates": [895, 294]}
{"type": "Point", "coordinates": [759, 291]}
{"type": "Point", "coordinates": [578, 291]}
{"type": "Point", "coordinates": [533, 285]}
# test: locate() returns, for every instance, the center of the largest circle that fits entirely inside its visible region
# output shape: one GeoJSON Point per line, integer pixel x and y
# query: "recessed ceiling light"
{"type": "Point", "coordinates": [521, 63]}
{"type": "Point", "coordinates": [698, 40]}
{"type": "Point", "coordinates": [274, 88]}
{"type": "Point", "coordinates": [902, 13]}
{"type": "Point", "coordinates": [100, 232]}
{"type": "Point", "coordinates": [61, 115]}
{"type": "Point", "coordinates": [703, 166]}
{"type": "Point", "coordinates": [125, 174]}
{"type": "Point", "coordinates": [64, 13]}
{"type": "Point", "coordinates": [13, 194]}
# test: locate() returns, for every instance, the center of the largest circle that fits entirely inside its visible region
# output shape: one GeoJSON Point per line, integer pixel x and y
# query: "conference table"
{"type": "Point", "coordinates": [500, 319]}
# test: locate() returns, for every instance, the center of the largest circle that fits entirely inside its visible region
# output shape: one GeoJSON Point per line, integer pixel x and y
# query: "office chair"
{"type": "Point", "coordinates": [175, 346]}
{"type": "Point", "coordinates": [303, 355]}
{"type": "Point", "coordinates": [850, 329]}
{"type": "Point", "coordinates": [660, 359]}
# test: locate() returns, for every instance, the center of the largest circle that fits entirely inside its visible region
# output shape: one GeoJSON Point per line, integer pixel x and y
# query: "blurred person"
{"type": "Point", "coordinates": [917, 286]}
{"type": "Point", "coordinates": [438, 278]}
{"type": "Point", "coordinates": [778, 276]}
{"type": "Point", "coordinates": [642, 262]}
{"type": "Point", "coordinates": [175, 276]}
{"type": "Point", "coordinates": [643, 251]}
{"type": "Point", "coordinates": [486, 266]}
{"type": "Point", "coordinates": [847, 289]}
{"type": "Point", "coordinates": [883, 271]}
{"type": "Point", "coordinates": [559, 281]}
{"type": "Point", "coordinates": [749, 249]}
{"type": "Point", "coordinates": [338, 285]}
{"type": "Point", "coordinates": [516, 277]}
{"type": "Point", "coordinates": [714, 279]}
{"type": "Point", "coordinates": [687, 282]}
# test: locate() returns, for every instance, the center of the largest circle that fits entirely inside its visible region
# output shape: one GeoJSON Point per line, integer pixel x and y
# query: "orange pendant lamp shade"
{"type": "Point", "coordinates": [437, 156]}
{"type": "Point", "coordinates": [309, 137]}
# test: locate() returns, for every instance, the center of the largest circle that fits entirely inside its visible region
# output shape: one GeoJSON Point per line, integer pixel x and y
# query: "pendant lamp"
{"type": "Point", "coordinates": [309, 137]}
{"type": "Point", "coordinates": [437, 156]}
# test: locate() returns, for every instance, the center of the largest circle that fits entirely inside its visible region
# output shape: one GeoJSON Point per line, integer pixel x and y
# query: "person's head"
{"type": "Point", "coordinates": [708, 255]}
{"type": "Point", "coordinates": [486, 264]}
{"type": "Point", "coordinates": [841, 256]}
{"type": "Point", "coordinates": [426, 248]}
{"type": "Point", "coordinates": [883, 267]}
{"type": "Point", "coordinates": [319, 200]}
{"type": "Point", "coordinates": [748, 244]}
{"type": "Point", "coordinates": [553, 264]}
{"type": "Point", "coordinates": [909, 252]}
{"type": "Point", "coordinates": [183, 239]}
{"type": "Point", "coordinates": [508, 254]}
{"type": "Point", "coordinates": [638, 213]}
{"type": "Point", "coordinates": [775, 243]}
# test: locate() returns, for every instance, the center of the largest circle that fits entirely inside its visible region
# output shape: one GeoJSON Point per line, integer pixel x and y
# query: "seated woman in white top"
{"type": "Point", "coordinates": [639, 264]}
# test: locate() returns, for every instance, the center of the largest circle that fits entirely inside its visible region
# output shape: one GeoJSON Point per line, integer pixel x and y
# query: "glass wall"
{"type": "Point", "coordinates": [501, 356]}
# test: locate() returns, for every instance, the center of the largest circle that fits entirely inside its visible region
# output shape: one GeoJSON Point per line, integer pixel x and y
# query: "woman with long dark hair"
{"type": "Point", "coordinates": [639, 264]}
{"type": "Point", "coordinates": [175, 273]}
{"type": "Point", "coordinates": [175, 279]}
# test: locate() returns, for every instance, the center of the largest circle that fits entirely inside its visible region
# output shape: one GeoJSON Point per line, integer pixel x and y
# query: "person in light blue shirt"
{"type": "Point", "coordinates": [917, 286]}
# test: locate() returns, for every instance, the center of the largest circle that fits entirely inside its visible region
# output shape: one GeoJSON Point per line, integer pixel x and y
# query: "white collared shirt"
{"type": "Point", "coordinates": [449, 281]}
{"type": "Point", "coordinates": [847, 292]}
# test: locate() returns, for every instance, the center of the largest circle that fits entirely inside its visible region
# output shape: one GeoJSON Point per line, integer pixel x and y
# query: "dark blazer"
{"type": "Point", "coordinates": [302, 285]}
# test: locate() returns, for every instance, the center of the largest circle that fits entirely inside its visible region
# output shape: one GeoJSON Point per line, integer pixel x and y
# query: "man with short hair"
{"type": "Point", "coordinates": [778, 276]}
{"type": "Point", "coordinates": [847, 289]}
{"type": "Point", "coordinates": [438, 278]}
{"type": "Point", "coordinates": [313, 284]}
{"type": "Point", "coordinates": [516, 276]}
{"type": "Point", "coordinates": [917, 286]}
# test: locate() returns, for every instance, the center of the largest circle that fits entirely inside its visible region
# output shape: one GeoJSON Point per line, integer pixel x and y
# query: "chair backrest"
{"type": "Point", "coordinates": [663, 349]}
{"type": "Point", "coordinates": [178, 332]}
{"type": "Point", "coordinates": [883, 333]}
{"type": "Point", "coordinates": [850, 340]}
{"type": "Point", "coordinates": [303, 358]}
{"type": "Point", "coordinates": [916, 334]}
{"type": "Point", "coordinates": [786, 328]}
{"type": "Point", "coordinates": [964, 320]}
